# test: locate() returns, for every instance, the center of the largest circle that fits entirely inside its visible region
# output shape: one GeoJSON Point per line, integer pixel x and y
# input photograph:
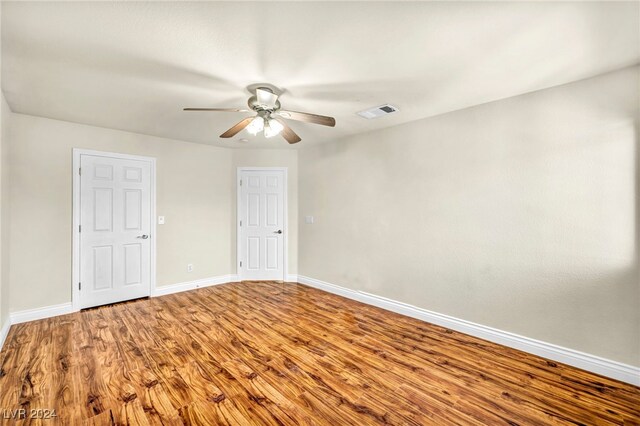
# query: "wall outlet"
{"type": "Point", "coordinates": [190, 267]}
{"type": "Point", "coordinates": [308, 220]}
{"type": "Point", "coordinates": [160, 220]}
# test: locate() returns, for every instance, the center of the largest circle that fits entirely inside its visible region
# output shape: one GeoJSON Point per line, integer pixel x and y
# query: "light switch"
{"type": "Point", "coordinates": [308, 220]}
{"type": "Point", "coordinates": [160, 220]}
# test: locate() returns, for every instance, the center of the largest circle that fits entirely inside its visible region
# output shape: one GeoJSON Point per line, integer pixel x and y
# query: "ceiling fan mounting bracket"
{"type": "Point", "coordinates": [266, 89]}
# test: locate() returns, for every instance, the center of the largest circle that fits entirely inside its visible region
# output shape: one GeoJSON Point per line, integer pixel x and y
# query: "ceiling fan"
{"type": "Point", "coordinates": [268, 118]}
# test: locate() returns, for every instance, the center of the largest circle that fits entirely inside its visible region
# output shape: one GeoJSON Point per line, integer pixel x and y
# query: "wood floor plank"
{"type": "Point", "coordinates": [266, 395]}
{"type": "Point", "coordinates": [286, 354]}
{"type": "Point", "coordinates": [103, 419]}
{"type": "Point", "coordinates": [202, 413]}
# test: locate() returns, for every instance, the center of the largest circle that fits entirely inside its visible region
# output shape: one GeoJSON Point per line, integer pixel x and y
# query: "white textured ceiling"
{"type": "Point", "coordinates": [133, 66]}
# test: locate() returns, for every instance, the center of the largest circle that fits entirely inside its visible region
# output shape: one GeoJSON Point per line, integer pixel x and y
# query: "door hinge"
{"type": "Point", "coordinates": [240, 182]}
{"type": "Point", "coordinates": [79, 286]}
{"type": "Point", "coordinates": [79, 228]}
{"type": "Point", "coordinates": [240, 223]}
{"type": "Point", "coordinates": [241, 263]}
{"type": "Point", "coordinates": [80, 171]}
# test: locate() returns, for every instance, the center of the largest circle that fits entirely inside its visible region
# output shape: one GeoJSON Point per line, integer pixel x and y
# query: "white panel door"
{"type": "Point", "coordinates": [115, 225]}
{"type": "Point", "coordinates": [261, 215]}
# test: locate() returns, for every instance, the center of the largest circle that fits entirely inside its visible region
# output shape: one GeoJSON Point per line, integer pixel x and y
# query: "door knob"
{"type": "Point", "coordinates": [279, 231]}
{"type": "Point", "coordinates": [144, 237]}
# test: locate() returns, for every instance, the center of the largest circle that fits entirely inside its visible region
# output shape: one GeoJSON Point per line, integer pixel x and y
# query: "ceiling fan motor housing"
{"type": "Point", "coordinates": [256, 105]}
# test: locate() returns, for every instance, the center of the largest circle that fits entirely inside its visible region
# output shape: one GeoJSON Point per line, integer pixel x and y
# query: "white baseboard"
{"type": "Point", "coordinates": [292, 279]}
{"type": "Point", "coordinates": [616, 370]}
{"type": "Point", "coordinates": [191, 285]}
{"type": "Point", "coordinates": [4, 331]}
{"type": "Point", "coordinates": [41, 313]}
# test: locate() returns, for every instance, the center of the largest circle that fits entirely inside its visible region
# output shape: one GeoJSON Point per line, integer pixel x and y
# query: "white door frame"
{"type": "Point", "coordinates": [285, 257]}
{"type": "Point", "coordinates": [75, 274]}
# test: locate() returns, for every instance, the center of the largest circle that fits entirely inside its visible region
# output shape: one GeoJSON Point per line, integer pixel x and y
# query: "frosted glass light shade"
{"type": "Point", "coordinates": [256, 125]}
{"type": "Point", "coordinates": [272, 128]}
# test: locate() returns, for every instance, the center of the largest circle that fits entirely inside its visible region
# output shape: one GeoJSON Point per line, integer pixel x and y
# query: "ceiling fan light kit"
{"type": "Point", "coordinates": [268, 118]}
{"type": "Point", "coordinates": [272, 128]}
{"type": "Point", "coordinates": [256, 125]}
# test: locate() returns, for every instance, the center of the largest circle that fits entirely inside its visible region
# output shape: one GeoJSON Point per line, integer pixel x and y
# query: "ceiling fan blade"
{"type": "Point", "coordinates": [216, 109]}
{"type": "Point", "coordinates": [266, 98]}
{"type": "Point", "coordinates": [237, 128]}
{"type": "Point", "coordinates": [288, 133]}
{"type": "Point", "coordinates": [307, 117]}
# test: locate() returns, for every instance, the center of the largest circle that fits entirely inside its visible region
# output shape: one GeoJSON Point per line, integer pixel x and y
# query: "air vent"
{"type": "Point", "coordinates": [378, 111]}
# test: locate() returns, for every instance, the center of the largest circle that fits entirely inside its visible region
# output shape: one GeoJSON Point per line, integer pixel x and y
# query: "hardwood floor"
{"type": "Point", "coordinates": [273, 353]}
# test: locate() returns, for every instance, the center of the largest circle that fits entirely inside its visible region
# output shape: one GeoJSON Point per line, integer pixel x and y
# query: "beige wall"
{"type": "Point", "coordinates": [5, 113]}
{"type": "Point", "coordinates": [5, 123]}
{"type": "Point", "coordinates": [271, 158]}
{"type": "Point", "coordinates": [521, 214]}
{"type": "Point", "coordinates": [193, 184]}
